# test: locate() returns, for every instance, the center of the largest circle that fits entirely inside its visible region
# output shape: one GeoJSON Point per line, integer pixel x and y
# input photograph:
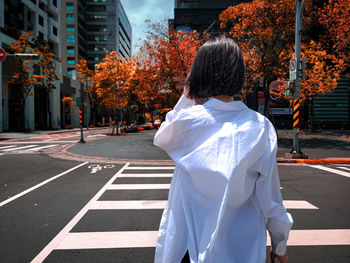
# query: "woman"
{"type": "Point", "coordinates": [225, 189]}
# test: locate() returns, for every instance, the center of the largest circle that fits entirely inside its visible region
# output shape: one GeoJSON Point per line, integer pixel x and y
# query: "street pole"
{"type": "Point", "coordinates": [87, 103]}
{"type": "Point", "coordinates": [300, 4]}
{"type": "Point", "coordinates": [81, 119]}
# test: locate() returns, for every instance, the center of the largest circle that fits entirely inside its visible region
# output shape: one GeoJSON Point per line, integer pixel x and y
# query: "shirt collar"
{"type": "Point", "coordinates": [225, 106]}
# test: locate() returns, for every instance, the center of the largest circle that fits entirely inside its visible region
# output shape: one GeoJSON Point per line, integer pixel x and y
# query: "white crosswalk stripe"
{"type": "Point", "coordinates": [19, 148]}
{"type": "Point", "coordinates": [331, 170]}
{"type": "Point", "coordinates": [6, 147]}
{"type": "Point", "coordinates": [24, 148]}
{"type": "Point", "coordinates": [140, 239]}
{"type": "Point", "coordinates": [41, 147]}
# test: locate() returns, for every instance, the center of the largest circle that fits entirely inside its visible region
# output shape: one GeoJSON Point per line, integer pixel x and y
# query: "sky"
{"type": "Point", "coordinates": [140, 10]}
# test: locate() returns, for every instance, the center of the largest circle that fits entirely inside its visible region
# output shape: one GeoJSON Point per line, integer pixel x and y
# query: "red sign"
{"type": "Point", "coordinates": [2, 55]}
{"type": "Point", "coordinates": [293, 64]}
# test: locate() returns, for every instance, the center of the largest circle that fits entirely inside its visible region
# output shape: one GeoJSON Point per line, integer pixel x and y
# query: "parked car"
{"type": "Point", "coordinates": [157, 123]}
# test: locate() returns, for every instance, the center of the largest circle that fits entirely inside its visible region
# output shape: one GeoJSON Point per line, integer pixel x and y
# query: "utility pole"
{"type": "Point", "coordinates": [298, 68]}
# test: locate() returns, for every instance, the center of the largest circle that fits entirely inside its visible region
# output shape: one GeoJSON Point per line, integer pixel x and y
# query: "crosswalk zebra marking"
{"type": "Point", "coordinates": [332, 170]}
{"type": "Point", "coordinates": [19, 148]}
{"type": "Point", "coordinates": [144, 175]}
{"type": "Point", "coordinates": [150, 168]}
{"type": "Point", "coordinates": [161, 204]}
{"type": "Point", "coordinates": [41, 147]}
{"type": "Point", "coordinates": [67, 240]}
{"type": "Point", "coordinates": [133, 239]}
{"type": "Point", "coordinates": [344, 168]}
{"type": "Point", "coordinates": [133, 204]}
{"type": "Point", "coordinates": [138, 186]}
{"type": "Point", "coordinates": [9, 146]}
{"type": "Point", "coordinates": [118, 239]}
{"type": "Point", "coordinates": [65, 231]}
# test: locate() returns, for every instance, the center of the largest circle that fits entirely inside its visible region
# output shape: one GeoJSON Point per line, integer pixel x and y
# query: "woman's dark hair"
{"type": "Point", "coordinates": [218, 69]}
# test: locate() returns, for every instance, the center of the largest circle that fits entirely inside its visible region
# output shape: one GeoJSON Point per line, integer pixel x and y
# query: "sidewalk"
{"type": "Point", "coordinates": [321, 147]}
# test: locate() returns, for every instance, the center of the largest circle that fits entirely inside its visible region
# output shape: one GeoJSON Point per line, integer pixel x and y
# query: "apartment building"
{"type": "Point", "coordinates": [200, 15]}
{"type": "Point", "coordinates": [43, 19]}
{"type": "Point", "coordinates": [90, 28]}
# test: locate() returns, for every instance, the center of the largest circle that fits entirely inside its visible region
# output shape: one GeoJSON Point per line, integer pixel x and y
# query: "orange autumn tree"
{"type": "Point", "coordinates": [85, 77]}
{"type": "Point", "coordinates": [166, 62]}
{"type": "Point", "coordinates": [268, 45]}
{"type": "Point", "coordinates": [264, 30]}
{"type": "Point", "coordinates": [24, 79]}
{"type": "Point", "coordinates": [111, 80]}
{"type": "Point", "coordinates": [47, 67]}
{"type": "Point", "coordinates": [334, 16]}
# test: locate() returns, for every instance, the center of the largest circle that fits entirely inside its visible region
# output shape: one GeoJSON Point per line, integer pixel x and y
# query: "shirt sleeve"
{"type": "Point", "coordinates": [170, 137]}
{"type": "Point", "coordinates": [269, 197]}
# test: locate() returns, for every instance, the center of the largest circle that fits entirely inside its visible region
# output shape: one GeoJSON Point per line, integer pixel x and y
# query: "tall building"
{"type": "Point", "coordinates": [43, 19]}
{"type": "Point", "coordinates": [90, 28]}
{"type": "Point", "coordinates": [200, 15]}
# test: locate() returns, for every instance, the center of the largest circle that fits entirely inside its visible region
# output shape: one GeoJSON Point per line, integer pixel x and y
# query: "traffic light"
{"type": "Point", "coordinates": [81, 116]}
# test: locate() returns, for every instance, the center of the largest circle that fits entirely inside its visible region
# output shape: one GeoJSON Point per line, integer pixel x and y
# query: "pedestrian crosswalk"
{"type": "Point", "coordinates": [32, 148]}
{"type": "Point", "coordinates": [137, 179]}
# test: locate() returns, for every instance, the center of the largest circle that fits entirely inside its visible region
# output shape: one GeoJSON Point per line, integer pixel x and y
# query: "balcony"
{"type": "Point", "coordinates": [51, 35]}
{"type": "Point", "coordinates": [53, 6]}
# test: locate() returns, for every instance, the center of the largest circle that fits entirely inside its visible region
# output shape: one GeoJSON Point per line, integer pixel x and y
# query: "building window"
{"type": "Point", "coordinates": [41, 35]}
{"type": "Point", "coordinates": [70, 50]}
{"type": "Point", "coordinates": [41, 20]}
{"type": "Point", "coordinates": [33, 1]}
{"type": "Point", "coordinates": [189, 4]}
{"type": "Point", "coordinates": [70, 60]}
{"type": "Point", "coordinates": [70, 27]}
{"type": "Point", "coordinates": [54, 2]}
{"type": "Point", "coordinates": [69, 6]}
{"type": "Point", "coordinates": [54, 30]}
{"type": "Point", "coordinates": [69, 17]}
{"type": "Point", "coordinates": [70, 71]}
{"type": "Point", "coordinates": [100, 1]}
{"type": "Point", "coordinates": [70, 39]}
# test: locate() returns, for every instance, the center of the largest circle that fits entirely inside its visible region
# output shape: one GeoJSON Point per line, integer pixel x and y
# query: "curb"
{"type": "Point", "coordinates": [316, 161]}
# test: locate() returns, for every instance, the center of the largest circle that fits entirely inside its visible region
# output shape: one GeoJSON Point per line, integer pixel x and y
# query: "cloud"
{"type": "Point", "coordinates": [140, 10]}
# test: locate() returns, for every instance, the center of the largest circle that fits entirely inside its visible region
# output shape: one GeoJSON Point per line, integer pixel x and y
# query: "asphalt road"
{"type": "Point", "coordinates": [111, 213]}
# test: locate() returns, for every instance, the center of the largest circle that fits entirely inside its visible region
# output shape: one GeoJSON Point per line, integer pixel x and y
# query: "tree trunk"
{"type": "Point", "coordinates": [312, 114]}
{"type": "Point", "coordinates": [49, 110]}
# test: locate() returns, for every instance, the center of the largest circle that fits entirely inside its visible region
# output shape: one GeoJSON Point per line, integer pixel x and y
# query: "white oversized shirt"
{"type": "Point", "coordinates": [225, 190]}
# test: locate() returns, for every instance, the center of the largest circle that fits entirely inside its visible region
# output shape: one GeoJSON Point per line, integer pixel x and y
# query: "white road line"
{"type": "Point", "coordinates": [321, 237]}
{"type": "Point", "coordinates": [116, 205]}
{"type": "Point", "coordinates": [132, 239]}
{"type": "Point", "coordinates": [39, 185]}
{"type": "Point", "coordinates": [344, 168]}
{"type": "Point", "coordinates": [150, 168]}
{"type": "Point", "coordinates": [122, 239]}
{"type": "Point", "coordinates": [65, 231]}
{"type": "Point", "coordinates": [138, 186]}
{"type": "Point", "coordinates": [42, 147]}
{"type": "Point", "coordinates": [346, 174]}
{"type": "Point", "coordinates": [18, 148]}
{"type": "Point", "coordinates": [5, 147]}
{"type": "Point", "coordinates": [298, 204]}
{"type": "Point", "coordinates": [2, 154]}
{"type": "Point", "coordinates": [145, 175]}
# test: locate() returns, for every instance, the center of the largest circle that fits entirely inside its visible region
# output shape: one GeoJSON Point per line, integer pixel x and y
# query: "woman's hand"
{"type": "Point", "coordinates": [282, 259]}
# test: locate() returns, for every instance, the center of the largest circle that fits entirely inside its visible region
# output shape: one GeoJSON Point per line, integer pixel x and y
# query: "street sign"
{"type": "Point", "coordinates": [2, 54]}
{"type": "Point", "coordinates": [293, 69]}
{"type": "Point", "coordinates": [77, 101]}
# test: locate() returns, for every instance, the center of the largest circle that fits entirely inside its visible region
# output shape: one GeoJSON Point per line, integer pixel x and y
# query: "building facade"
{"type": "Point", "coordinates": [200, 15]}
{"type": "Point", "coordinates": [89, 29]}
{"type": "Point", "coordinates": [43, 19]}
